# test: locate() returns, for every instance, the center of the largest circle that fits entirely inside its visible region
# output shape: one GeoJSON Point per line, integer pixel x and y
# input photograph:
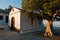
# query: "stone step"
{"type": "Point", "coordinates": [4, 27]}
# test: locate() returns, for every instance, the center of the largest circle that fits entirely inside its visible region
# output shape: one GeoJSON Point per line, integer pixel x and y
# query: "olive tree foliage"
{"type": "Point", "coordinates": [29, 6]}
{"type": "Point", "coordinates": [48, 6]}
{"type": "Point", "coordinates": [51, 8]}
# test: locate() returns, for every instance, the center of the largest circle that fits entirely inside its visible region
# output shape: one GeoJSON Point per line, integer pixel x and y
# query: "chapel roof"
{"type": "Point", "coordinates": [18, 8]}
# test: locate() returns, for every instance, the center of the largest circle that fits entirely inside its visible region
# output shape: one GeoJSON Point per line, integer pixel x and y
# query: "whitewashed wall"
{"type": "Point", "coordinates": [16, 15]}
{"type": "Point", "coordinates": [55, 23]}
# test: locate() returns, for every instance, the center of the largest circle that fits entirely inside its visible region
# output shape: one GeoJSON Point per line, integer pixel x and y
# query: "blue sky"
{"type": "Point", "coordinates": [5, 3]}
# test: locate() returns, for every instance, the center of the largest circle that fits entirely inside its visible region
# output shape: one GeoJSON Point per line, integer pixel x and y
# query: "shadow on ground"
{"type": "Point", "coordinates": [56, 31]}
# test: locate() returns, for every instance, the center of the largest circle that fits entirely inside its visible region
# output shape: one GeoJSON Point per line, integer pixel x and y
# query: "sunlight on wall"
{"type": "Point", "coordinates": [45, 22]}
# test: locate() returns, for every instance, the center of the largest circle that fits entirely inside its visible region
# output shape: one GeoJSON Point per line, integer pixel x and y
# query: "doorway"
{"type": "Point", "coordinates": [12, 23]}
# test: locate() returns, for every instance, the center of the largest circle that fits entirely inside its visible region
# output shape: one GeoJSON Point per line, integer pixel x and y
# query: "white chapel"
{"type": "Point", "coordinates": [20, 22]}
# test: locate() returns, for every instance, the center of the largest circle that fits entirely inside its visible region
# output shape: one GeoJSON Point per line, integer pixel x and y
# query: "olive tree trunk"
{"type": "Point", "coordinates": [49, 31]}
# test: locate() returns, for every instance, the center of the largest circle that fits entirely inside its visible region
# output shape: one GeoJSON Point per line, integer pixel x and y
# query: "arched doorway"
{"type": "Point", "coordinates": [12, 23]}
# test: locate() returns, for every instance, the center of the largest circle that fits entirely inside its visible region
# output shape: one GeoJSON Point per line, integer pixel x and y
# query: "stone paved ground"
{"type": "Point", "coordinates": [7, 34]}
{"type": "Point", "coordinates": [12, 35]}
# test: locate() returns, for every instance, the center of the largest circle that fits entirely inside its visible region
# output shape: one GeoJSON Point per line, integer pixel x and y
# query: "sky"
{"type": "Point", "coordinates": [5, 3]}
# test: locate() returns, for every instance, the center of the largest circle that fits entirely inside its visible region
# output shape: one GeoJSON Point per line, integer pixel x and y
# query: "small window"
{"type": "Point", "coordinates": [1, 17]}
{"type": "Point", "coordinates": [32, 22]}
{"type": "Point", "coordinates": [13, 10]}
{"type": "Point", "coordinates": [6, 19]}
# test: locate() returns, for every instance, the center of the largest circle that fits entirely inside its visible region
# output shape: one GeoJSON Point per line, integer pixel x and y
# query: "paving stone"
{"type": "Point", "coordinates": [7, 34]}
